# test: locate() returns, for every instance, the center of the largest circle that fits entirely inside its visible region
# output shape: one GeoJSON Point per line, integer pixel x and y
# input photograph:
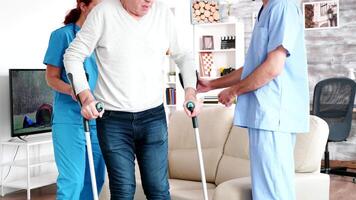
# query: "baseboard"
{"type": "Point", "coordinates": [339, 163]}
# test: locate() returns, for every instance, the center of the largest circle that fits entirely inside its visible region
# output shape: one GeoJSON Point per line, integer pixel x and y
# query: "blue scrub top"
{"type": "Point", "coordinates": [65, 109]}
{"type": "Point", "coordinates": [282, 104]}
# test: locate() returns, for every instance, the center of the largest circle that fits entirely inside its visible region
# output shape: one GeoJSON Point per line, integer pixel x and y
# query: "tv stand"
{"type": "Point", "coordinates": [29, 182]}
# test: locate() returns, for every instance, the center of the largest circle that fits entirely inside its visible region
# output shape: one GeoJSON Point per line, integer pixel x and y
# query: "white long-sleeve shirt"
{"type": "Point", "coordinates": [130, 56]}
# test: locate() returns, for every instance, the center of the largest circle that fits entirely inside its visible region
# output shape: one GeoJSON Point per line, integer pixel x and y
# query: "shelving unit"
{"type": "Point", "coordinates": [30, 181]}
{"type": "Point", "coordinates": [222, 58]}
{"type": "Point", "coordinates": [172, 68]}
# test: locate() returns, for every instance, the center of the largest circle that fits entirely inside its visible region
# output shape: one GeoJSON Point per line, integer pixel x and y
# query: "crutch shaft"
{"type": "Point", "coordinates": [201, 163]}
{"type": "Point", "coordinates": [91, 166]}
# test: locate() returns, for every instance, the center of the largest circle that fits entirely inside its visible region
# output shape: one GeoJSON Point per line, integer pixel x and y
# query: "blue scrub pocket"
{"type": "Point", "coordinates": [260, 42]}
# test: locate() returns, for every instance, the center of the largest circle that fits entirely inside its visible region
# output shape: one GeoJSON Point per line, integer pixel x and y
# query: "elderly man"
{"type": "Point", "coordinates": [273, 101]}
{"type": "Point", "coordinates": [130, 39]}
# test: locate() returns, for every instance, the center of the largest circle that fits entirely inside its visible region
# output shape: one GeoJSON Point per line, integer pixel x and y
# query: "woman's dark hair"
{"type": "Point", "coordinates": [75, 13]}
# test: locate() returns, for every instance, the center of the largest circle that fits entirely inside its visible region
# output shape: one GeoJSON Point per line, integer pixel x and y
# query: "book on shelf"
{"type": "Point", "coordinates": [171, 97]}
{"type": "Point", "coordinates": [210, 100]}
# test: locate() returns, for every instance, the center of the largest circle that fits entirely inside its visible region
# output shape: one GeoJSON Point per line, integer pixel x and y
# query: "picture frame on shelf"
{"type": "Point", "coordinates": [208, 42]}
{"type": "Point", "coordinates": [321, 15]}
{"type": "Point", "coordinates": [206, 64]}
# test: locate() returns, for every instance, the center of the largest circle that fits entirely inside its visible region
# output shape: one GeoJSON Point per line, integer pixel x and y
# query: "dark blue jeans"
{"type": "Point", "coordinates": [122, 135]}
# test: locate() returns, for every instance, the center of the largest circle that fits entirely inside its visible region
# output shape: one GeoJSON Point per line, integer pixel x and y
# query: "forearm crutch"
{"type": "Point", "coordinates": [99, 107]}
{"type": "Point", "coordinates": [191, 106]}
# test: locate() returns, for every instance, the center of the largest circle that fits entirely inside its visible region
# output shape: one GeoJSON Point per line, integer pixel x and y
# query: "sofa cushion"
{"type": "Point", "coordinates": [239, 189]}
{"type": "Point", "coordinates": [179, 189]}
{"type": "Point", "coordinates": [176, 184]}
{"type": "Point", "coordinates": [214, 125]}
{"type": "Point", "coordinates": [235, 160]}
{"type": "Point", "coordinates": [190, 194]}
{"type": "Point", "coordinates": [189, 190]}
{"type": "Point", "coordinates": [308, 186]}
{"type": "Point", "coordinates": [310, 147]}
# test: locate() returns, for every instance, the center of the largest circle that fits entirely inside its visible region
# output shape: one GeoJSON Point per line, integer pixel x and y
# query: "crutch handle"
{"type": "Point", "coordinates": [191, 106]}
{"type": "Point", "coordinates": [99, 106]}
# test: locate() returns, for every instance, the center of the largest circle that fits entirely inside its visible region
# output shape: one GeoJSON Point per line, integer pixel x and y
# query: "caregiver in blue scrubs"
{"type": "Point", "coordinates": [273, 97]}
{"type": "Point", "coordinates": [67, 130]}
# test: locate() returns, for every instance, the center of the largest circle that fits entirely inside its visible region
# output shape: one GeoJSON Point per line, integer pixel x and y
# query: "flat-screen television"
{"type": "Point", "coordinates": [30, 101]}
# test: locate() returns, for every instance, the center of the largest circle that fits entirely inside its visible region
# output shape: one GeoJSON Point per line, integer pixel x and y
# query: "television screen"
{"type": "Point", "coordinates": [31, 102]}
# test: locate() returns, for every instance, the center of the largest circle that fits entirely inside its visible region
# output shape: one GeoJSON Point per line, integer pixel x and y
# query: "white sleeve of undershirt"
{"type": "Point", "coordinates": [82, 47]}
{"type": "Point", "coordinates": [181, 55]}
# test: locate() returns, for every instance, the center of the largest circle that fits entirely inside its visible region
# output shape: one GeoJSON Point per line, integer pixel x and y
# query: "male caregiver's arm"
{"type": "Point", "coordinates": [226, 81]}
{"type": "Point", "coordinates": [266, 72]}
{"type": "Point", "coordinates": [53, 78]}
{"type": "Point", "coordinates": [83, 46]}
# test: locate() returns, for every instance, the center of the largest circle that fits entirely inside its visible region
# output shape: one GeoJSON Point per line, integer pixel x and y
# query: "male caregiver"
{"type": "Point", "coordinates": [272, 97]}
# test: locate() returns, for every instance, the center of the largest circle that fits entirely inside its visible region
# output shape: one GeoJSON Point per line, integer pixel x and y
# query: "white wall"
{"type": "Point", "coordinates": [25, 27]}
{"type": "Point", "coordinates": [25, 30]}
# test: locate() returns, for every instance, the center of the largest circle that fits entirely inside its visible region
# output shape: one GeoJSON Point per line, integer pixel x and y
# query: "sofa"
{"type": "Point", "coordinates": [226, 159]}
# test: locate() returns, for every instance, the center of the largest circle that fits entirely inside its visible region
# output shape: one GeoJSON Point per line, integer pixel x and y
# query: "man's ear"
{"type": "Point", "coordinates": [83, 8]}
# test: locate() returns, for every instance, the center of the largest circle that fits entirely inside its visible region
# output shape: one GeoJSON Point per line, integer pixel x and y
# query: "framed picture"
{"type": "Point", "coordinates": [206, 63]}
{"type": "Point", "coordinates": [208, 42]}
{"type": "Point", "coordinates": [321, 15]}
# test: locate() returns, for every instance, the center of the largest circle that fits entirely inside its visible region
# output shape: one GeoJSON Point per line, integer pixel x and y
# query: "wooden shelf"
{"type": "Point", "coordinates": [34, 162]}
{"type": "Point", "coordinates": [171, 106]}
{"type": "Point", "coordinates": [217, 51]}
{"type": "Point", "coordinates": [209, 77]}
{"type": "Point", "coordinates": [36, 182]}
{"type": "Point", "coordinates": [31, 141]}
{"type": "Point", "coordinates": [216, 24]}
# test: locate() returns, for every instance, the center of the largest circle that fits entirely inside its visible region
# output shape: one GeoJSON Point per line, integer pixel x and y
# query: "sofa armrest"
{"type": "Point", "coordinates": [238, 189]}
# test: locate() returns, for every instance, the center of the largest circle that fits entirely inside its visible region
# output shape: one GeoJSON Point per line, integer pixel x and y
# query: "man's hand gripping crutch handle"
{"type": "Point", "coordinates": [191, 106]}
{"type": "Point", "coordinates": [99, 105]}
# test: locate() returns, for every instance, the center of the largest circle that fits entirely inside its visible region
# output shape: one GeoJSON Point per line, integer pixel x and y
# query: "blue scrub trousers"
{"type": "Point", "coordinates": [70, 152]}
{"type": "Point", "coordinates": [272, 164]}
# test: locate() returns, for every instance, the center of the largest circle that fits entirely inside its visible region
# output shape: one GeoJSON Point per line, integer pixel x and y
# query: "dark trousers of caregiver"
{"type": "Point", "coordinates": [122, 135]}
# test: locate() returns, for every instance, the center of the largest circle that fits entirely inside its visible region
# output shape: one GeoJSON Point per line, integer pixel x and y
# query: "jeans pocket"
{"type": "Point", "coordinates": [106, 115]}
{"type": "Point", "coordinates": [156, 111]}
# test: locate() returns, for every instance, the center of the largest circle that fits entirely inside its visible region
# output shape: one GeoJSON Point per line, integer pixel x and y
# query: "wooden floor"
{"type": "Point", "coordinates": [341, 188]}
